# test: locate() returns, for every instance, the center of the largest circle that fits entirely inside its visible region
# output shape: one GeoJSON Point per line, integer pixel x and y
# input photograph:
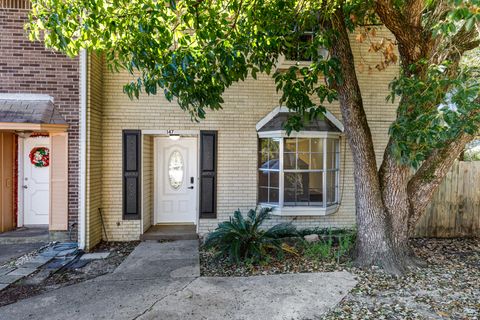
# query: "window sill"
{"type": "Point", "coordinates": [302, 211]}
{"type": "Point", "coordinates": [286, 64]}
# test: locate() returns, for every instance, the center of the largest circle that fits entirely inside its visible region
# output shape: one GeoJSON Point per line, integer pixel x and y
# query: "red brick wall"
{"type": "Point", "coordinates": [27, 67]}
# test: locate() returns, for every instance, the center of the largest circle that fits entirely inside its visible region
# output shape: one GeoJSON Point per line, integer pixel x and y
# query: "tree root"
{"type": "Point", "coordinates": [395, 262]}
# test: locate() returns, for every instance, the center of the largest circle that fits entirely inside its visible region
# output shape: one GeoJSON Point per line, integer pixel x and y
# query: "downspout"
{"type": "Point", "coordinates": [82, 152]}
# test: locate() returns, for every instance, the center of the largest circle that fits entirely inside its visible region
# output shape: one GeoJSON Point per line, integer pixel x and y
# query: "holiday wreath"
{"type": "Point", "coordinates": [40, 157]}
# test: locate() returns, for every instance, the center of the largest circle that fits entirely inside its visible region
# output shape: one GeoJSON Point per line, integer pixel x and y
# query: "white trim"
{"type": "Point", "coordinates": [168, 132]}
{"type": "Point", "coordinates": [334, 120]}
{"type": "Point", "coordinates": [281, 174]}
{"type": "Point", "coordinates": [301, 134]}
{"type": "Point", "coordinates": [283, 109]}
{"type": "Point", "coordinates": [324, 174]}
{"type": "Point", "coordinates": [269, 117]}
{"type": "Point", "coordinates": [142, 167]}
{"type": "Point", "coordinates": [82, 190]}
{"type": "Point", "coordinates": [155, 180]}
{"type": "Point", "coordinates": [325, 209]}
{"type": "Point", "coordinates": [25, 96]}
{"type": "Point", "coordinates": [156, 140]}
{"type": "Point", "coordinates": [302, 211]}
{"type": "Point", "coordinates": [20, 182]}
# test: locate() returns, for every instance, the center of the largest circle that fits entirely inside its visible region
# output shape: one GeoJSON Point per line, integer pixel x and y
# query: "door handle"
{"type": "Point", "coordinates": [25, 186]}
{"type": "Point", "coordinates": [191, 187]}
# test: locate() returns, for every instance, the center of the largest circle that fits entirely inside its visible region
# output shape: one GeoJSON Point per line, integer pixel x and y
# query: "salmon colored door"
{"type": "Point", "coordinates": [7, 158]}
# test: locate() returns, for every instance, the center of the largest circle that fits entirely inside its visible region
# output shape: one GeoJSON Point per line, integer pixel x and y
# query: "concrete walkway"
{"type": "Point", "coordinates": [161, 281]}
{"type": "Point", "coordinates": [16, 243]}
{"type": "Point", "coordinates": [12, 251]}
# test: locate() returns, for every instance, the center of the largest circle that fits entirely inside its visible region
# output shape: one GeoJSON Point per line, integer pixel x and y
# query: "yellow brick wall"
{"type": "Point", "coordinates": [147, 182]}
{"type": "Point", "coordinates": [245, 104]}
{"type": "Point", "coordinates": [94, 151]}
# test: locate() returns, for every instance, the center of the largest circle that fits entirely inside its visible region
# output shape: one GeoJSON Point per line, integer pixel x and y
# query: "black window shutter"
{"type": "Point", "coordinates": [208, 174]}
{"type": "Point", "coordinates": [131, 156]}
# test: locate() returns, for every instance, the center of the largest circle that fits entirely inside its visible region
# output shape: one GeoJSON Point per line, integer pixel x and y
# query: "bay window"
{"type": "Point", "coordinates": [299, 174]}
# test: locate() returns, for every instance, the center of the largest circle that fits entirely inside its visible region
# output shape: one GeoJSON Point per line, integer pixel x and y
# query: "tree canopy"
{"type": "Point", "coordinates": [193, 50]}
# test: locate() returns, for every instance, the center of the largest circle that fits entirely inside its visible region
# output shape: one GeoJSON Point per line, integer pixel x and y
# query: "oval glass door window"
{"type": "Point", "coordinates": [175, 169]}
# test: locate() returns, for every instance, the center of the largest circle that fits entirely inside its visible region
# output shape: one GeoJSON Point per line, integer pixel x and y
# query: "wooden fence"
{"type": "Point", "coordinates": [455, 207]}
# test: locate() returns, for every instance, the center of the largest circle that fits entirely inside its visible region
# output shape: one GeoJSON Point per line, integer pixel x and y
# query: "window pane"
{"type": "Point", "coordinates": [303, 145]}
{"type": "Point", "coordinates": [175, 170]}
{"type": "Point", "coordinates": [317, 161]}
{"type": "Point", "coordinates": [303, 161]}
{"type": "Point", "coordinates": [317, 145]}
{"type": "Point", "coordinates": [274, 145]}
{"type": "Point", "coordinates": [290, 145]}
{"type": "Point", "coordinates": [290, 180]}
{"type": "Point", "coordinates": [316, 187]}
{"type": "Point", "coordinates": [274, 176]}
{"type": "Point", "coordinates": [337, 153]}
{"type": "Point", "coordinates": [289, 197]}
{"type": "Point", "coordinates": [263, 178]}
{"type": "Point", "coordinates": [331, 163]}
{"type": "Point", "coordinates": [331, 152]}
{"type": "Point", "coordinates": [289, 160]}
{"type": "Point", "coordinates": [273, 195]}
{"type": "Point", "coordinates": [274, 161]}
{"type": "Point", "coordinates": [331, 182]}
{"type": "Point", "coordinates": [302, 190]}
{"type": "Point", "coordinates": [263, 145]}
{"type": "Point", "coordinates": [290, 184]}
{"type": "Point", "coordinates": [263, 195]}
{"type": "Point", "coordinates": [263, 160]}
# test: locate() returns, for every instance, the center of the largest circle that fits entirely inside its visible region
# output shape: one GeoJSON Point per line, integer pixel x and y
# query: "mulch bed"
{"type": "Point", "coordinates": [35, 284]}
{"type": "Point", "coordinates": [448, 288]}
{"type": "Point", "coordinates": [210, 266]}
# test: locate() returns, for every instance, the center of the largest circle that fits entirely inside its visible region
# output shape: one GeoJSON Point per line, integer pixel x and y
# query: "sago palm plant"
{"type": "Point", "coordinates": [243, 239]}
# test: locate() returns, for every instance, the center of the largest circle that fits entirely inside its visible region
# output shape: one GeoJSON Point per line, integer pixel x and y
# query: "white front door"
{"type": "Point", "coordinates": [36, 185]}
{"type": "Point", "coordinates": [176, 180]}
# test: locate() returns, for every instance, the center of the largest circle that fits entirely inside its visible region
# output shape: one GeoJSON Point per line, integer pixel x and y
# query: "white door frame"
{"type": "Point", "coordinates": [164, 134]}
{"type": "Point", "coordinates": [20, 190]}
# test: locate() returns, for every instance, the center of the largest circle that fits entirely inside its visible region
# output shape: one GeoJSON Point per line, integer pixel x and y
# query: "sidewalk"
{"type": "Point", "coordinates": [161, 281]}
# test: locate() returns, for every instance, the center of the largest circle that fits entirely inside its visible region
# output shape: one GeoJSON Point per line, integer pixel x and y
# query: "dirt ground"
{"type": "Point", "coordinates": [447, 288]}
{"type": "Point", "coordinates": [43, 280]}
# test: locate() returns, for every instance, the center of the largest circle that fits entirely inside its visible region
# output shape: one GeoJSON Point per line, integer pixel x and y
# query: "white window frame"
{"type": "Point", "coordinates": [282, 210]}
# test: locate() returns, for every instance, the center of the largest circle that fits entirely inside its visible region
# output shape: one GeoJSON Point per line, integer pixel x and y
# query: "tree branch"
{"type": "Point", "coordinates": [413, 11]}
{"type": "Point", "coordinates": [406, 26]}
{"type": "Point", "coordinates": [429, 176]}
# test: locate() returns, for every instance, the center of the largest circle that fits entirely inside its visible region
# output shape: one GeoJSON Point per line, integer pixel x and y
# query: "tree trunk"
{"type": "Point", "coordinates": [393, 179]}
{"type": "Point", "coordinates": [374, 244]}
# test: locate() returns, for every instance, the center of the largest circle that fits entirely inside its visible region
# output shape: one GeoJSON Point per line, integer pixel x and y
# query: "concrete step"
{"type": "Point", "coordinates": [170, 232]}
{"type": "Point", "coordinates": [25, 235]}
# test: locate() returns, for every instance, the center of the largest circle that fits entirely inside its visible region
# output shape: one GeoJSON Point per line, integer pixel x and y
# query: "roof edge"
{"type": "Point", "coordinates": [280, 109]}
{"type": "Point", "coordinates": [26, 97]}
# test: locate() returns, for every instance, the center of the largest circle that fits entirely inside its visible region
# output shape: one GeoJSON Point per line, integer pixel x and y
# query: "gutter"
{"type": "Point", "coordinates": [82, 152]}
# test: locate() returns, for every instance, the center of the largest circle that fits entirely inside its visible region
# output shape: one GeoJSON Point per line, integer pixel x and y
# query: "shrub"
{"type": "Point", "coordinates": [320, 250]}
{"type": "Point", "coordinates": [243, 239]}
{"type": "Point", "coordinates": [333, 244]}
{"type": "Point", "coordinates": [345, 245]}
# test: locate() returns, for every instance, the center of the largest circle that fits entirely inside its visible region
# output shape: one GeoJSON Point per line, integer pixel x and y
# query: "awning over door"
{"type": "Point", "coordinates": [30, 112]}
{"type": "Point", "coordinates": [27, 113]}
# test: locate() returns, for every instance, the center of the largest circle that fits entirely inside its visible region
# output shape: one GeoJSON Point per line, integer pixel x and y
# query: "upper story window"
{"type": "Point", "coordinates": [299, 52]}
{"type": "Point", "coordinates": [302, 51]}
{"type": "Point", "coordinates": [299, 174]}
